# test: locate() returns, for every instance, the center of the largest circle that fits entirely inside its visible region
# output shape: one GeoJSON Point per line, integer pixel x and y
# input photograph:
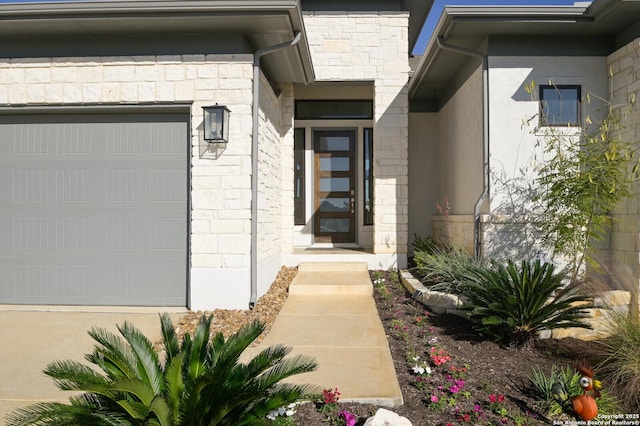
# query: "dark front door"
{"type": "Point", "coordinates": [334, 218]}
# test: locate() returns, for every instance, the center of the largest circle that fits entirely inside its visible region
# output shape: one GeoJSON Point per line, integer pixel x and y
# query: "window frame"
{"type": "Point", "coordinates": [327, 109]}
{"type": "Point", "coordinates": [543, 120]}
{"type": "Point", "coordinates": [299, 177]}
{"type": "Point", "coordinates": [367, 176]}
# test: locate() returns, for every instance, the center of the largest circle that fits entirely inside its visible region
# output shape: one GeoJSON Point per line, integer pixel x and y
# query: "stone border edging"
{"type": "Point", "coordinates": [438, 302]}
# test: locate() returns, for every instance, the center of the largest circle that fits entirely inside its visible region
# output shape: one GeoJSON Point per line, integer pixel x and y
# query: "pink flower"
{"type": "Point", "coordinates": [434, 399]}
{"type": "Point", "coordinates": [454, 389]}
{"type": "Point", "coordinates": [349, 418]}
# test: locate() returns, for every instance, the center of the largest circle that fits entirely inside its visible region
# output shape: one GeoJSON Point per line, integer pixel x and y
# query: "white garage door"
{"type": "Point", "coordinates": [93, 208]}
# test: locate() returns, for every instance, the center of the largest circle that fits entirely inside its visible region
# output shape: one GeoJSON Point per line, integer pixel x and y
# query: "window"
{"type": "Point", "coordinates": [560, 105]}
{"type": "Point", "coordinates": [298, 177]}
{"type": "Point", "coordinates": [332, 110]}
{"type": "Point", "coordinates": [368, 176]}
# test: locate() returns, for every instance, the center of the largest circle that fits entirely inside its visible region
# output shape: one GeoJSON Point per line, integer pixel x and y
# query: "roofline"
{"type": "Point", "coordinates": [141, 6]}
{"type": "Point", "coordinates": [452, 14]}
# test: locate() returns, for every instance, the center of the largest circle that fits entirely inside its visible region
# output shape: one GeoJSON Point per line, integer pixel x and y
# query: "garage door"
{"type": "Point", "coordinates": [93, 208]}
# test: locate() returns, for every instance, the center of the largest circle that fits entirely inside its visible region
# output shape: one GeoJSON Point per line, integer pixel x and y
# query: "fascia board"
{"type": "Point", "coordinates": [142, 7]}
{"type": "Point", "coordinates": [515, 11]}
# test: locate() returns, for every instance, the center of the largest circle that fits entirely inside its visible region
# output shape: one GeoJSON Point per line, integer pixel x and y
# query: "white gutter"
{"type": "Point", "coordinates": [485, 135]}
{"type": "Point", "coordinates": [254, 160]}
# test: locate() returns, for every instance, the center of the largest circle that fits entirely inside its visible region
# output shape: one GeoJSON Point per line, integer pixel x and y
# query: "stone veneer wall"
{"type": "Point", "coordinates": [221, 184]}
{"type": "Point", "coordinates": [275, 160]}
{"type": "Point", "coordinates": [455, 231]}
{"type": "Point", "coordinates": [624, 240]}
{"type": "Point", "coordinates": [369, 46]}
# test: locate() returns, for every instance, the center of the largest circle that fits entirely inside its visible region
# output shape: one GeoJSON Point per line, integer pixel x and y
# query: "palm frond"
{"type": "Point", "coordinates": [148, 364]}
{"type": "Point", "coordinates": [72, 375]}
{"type": "Point", "coordinates": [169, 337]}
{"type": "Point", "coordinates": [112, 354]}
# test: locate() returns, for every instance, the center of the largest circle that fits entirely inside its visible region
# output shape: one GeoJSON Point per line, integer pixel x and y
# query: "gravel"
{"type": "Point", "coordinates": [228, 321]}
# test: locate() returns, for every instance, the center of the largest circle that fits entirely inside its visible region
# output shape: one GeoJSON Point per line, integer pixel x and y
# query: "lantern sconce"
{"type": "Point", "coordinates": [216, 123]}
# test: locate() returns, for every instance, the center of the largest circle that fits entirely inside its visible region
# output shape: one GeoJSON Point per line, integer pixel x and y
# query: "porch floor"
{"type": "Point", "coordinates": [330, 315]}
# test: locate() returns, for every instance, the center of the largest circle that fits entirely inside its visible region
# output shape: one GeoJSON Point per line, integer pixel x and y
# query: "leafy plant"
{"type": "Point", "coordinates": [540, 383]}
{"type": "Point", "coordinates": [540, 387]}
{"type": "Point", "coordinates": [199, 382]}
{"type": "Point", "coordinates": [586, 175]}
{"type": "Point", "coordinates": [513, 304]}
{"type": "Point", "coordinates": [446, 269]}
{"type": "Point", "coordinates": [621, 368]}
{"type": "Point", "coordinates": [423, 244]}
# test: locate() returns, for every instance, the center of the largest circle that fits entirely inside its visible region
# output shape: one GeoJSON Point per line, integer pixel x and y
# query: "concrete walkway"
{"type": "Point", "coordinates": [31, 338]}
{"type": "Point", "coordinates": [330, 315]}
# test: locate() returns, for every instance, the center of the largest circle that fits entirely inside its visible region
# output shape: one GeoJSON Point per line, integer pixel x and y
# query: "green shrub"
{"type": "Point", "coordinates": [514, 304]}
{"type": "Point", "coordinates": [199, 382]}
{"type": "Point", "coordinates": [445, 269]}
{"type": "Point", "coordinates": [621, 368]}
{"type": "Point", "coordinates": [423, 244]}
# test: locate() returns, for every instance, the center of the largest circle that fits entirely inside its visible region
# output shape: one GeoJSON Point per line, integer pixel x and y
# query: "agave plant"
{"type": "Point", "coordinates": [513, 304]}
{"type": "Point", "coordinates": [200, 380]}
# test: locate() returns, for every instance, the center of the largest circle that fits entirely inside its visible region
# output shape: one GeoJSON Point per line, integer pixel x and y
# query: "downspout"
{"type": "Point", "coordinates": [254, 160]}
{"type": "Point", "coordinates": [485, 136]}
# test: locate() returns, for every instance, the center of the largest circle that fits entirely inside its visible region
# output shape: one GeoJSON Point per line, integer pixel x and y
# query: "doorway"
{"type": "Point", "coordinates": [335, 186]}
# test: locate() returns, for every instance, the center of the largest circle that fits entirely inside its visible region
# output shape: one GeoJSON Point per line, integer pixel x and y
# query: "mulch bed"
{"type": "Point", "coordinates": [482, 368]}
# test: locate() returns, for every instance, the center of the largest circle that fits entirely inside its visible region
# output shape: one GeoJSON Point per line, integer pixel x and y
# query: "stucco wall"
{"type": "Point", "coordinates": [423, 172]}
{"type": "Point", "coordinates": [220, 180]}
{"type": "Point", "coordinates": [373, 46]}
{"type": "Point", "coordinates": [512, 142]}
{"type": "Point", "coordinates": [509, 229]}
{"type": "Point", "coordinates": [625, 236]}
{"type": "Point", "coordinates": [460, 147]}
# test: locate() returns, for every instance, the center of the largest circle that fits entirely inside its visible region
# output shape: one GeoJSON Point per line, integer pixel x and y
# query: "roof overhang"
{"type": "Point", "coordinates": [581, 29]}
{"type": "Point", "coordinates": [161, 26]}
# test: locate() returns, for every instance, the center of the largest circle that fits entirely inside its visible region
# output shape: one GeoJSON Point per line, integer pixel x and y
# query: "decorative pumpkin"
{"type": "Point", "coordinates": [584, 406]}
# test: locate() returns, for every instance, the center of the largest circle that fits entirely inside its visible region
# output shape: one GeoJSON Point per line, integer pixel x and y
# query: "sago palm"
{"type": "Point", "coordinates": [513, 304]}
{"type": "Point", "coordinates": [200, 381]}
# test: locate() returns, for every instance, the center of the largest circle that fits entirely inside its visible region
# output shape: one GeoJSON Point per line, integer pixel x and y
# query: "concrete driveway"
{"type": "Point", "coordinates": [32, 337]}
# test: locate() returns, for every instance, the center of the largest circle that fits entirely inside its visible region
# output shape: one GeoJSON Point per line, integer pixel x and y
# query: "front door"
{"type": "Point", "coordinates": [335, 183]}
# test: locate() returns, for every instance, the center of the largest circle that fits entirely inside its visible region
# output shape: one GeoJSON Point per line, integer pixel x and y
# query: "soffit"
{"type": "Point", "coordinates": [263, 23]}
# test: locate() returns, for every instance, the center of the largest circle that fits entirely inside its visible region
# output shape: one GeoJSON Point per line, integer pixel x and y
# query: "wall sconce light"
{"type": "Point", "coordinates": [216, 123]}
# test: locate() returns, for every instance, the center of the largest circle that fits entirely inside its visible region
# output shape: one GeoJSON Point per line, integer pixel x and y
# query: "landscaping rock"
{"type": "Point", "coordinates": [387, 418]}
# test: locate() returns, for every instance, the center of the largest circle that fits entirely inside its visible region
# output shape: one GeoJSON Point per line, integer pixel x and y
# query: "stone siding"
{"type": "Point", "coordinates": [275, 160]}
{"type": "Point", "coordinates": [455, 231]}
{"type": "Point", "coordinates": [374, 46]}
{"type": "Point", "coordinates": [624, 239]}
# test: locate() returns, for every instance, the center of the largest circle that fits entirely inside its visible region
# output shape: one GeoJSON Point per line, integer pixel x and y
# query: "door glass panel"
{"type": "Point", "coordinates": [334, 184]}
{"type": "Point", "coordinates": [333, 143]}
{"type": "Point", "coordinates": [334, 164]}
{"type": "Point", "coordinates": [334, 225]}
{"type": "Point", "coordinates": [334, 205]}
